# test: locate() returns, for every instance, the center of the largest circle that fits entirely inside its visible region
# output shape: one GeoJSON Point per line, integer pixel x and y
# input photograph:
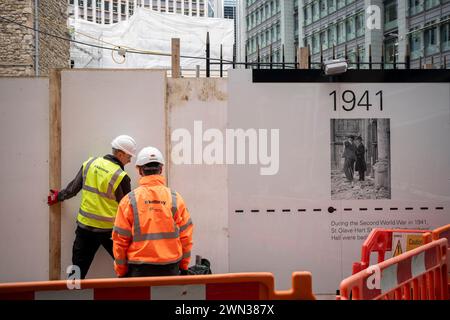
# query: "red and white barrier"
{"type": "Point", "coordinates": [419, 274]}
{"type": "Point", "coordinates": [245, 286]}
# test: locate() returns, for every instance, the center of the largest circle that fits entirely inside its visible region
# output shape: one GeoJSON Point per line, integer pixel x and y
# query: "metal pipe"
{"type": "Point", "coordinates": [36, 38]}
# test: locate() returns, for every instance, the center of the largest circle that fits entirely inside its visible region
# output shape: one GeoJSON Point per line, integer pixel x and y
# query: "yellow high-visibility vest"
{"type": "Point", "coordinates": [98, 207]}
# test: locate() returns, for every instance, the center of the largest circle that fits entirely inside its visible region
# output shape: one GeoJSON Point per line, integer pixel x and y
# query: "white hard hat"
{"type": "Point", "coordinates": [125, 143]}
{"type": "Point", "coordinates": [148, 155]}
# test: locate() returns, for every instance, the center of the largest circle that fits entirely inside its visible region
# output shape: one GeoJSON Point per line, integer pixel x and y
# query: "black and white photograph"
{"type": "Point", "coordinates": [360, 159]}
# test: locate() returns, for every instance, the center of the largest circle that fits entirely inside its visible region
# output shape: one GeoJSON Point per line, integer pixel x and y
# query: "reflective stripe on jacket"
{"type": "Point", "coordinates": [98, 207]}
{"type": "Point", "coordinates": [152, 226]}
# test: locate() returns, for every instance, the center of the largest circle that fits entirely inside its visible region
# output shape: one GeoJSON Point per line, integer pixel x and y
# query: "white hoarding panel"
{"type": "Point", "coordinates": [338, 159]}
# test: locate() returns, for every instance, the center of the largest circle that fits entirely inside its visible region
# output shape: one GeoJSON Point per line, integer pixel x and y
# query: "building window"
{"type": "Point", "coordinates": [324, 40]}
{"type": "Point", "coordinates": [431, 4]}
{"type": "Point", "coordinates": [415, 44]}
{"type": "Point", "coordinates": [390, 14]}
{"type": "Point", "coordinates": [315, 11]}
{"type": "Point", "coordinates": [308, 14]}
{"type": "Point", "coordinates": [340, 4]}
{"type": "Point", "coordinates": [323, 8]}
{"type": "Point", "coordinates": [341, 32]}
{"type": "Point", "coordinates": [351, 57]}
{"type": "Point", "coordinates": [362, 56]}
{"type": "Point", "coordinates": [331, 36]}
{"type": "Point", "coordinates": [350, 25]}
{"type": "Point", "coordinates": [315, 47]}
{"type": "Point", "coordinates": [430, 40]}
{"type": "Point", "coordinates": [390, 51]}
{"type": "Point", "coordinates": [278, 32]}
{"type": "Point", "coordinates": [309, 42]}
{"type": "Point", "coordinates": [331, 6]}
{"type": "Point", "coordinates": [415, 6]}
{"type": "Point", "coordinates": [445, 37]}
{"type": "Point", "coordinates": [360, 27]}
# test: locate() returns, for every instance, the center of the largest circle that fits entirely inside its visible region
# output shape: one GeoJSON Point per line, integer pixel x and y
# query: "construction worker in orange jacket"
{"type": "Point", "coordinates": [152, 233]}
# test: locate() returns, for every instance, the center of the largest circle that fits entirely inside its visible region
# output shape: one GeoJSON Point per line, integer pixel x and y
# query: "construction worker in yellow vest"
{"type": "Point", "coordinates": [103, 183]}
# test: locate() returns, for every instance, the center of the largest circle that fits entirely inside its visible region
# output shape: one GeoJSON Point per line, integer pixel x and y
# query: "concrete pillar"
{"type": "Point", "coordinates": [102, 10]}
{"type": "Point", "coordinates": [287, 29]}
{"type": "Point", "coordinates": [402, 8]}
{"type": "Point", "coordinates": [242, 30]}
{"type": "Point", "coordinates": [111, 14]}
{"type": "Point", "coordinates": [94, 11]}
{"type": "Point", "coordinates": [119, 10]}
{"type": "Point", "coordinates": [374, 35]}
{"type": "Point", "coordinates": [85, 11]}
{"type": "Point", "coordinates": [301, 19]}
{"type": "Point", "coordinates": [76, 9]}
{"type": "Point", "coordinates": [382, 166]}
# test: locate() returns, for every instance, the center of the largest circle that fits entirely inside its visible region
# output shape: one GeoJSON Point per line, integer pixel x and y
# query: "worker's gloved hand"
{"type": "Point", "coordinates": [183, 272]}
{"type": "Point", "coordinates": [52, 197]}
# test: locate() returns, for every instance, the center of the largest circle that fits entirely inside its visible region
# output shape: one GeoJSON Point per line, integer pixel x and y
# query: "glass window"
{"type": "Point", "coordinates": [308, 15]}
{"type": "Point", "coordinates": [390, 14]}
{"type": "Point", "coordinates": [445, 37]}
{"type": "Point", "coordinates": [331, 6]}
{"type": "Point", "coordinates": [360, 26]}
{"type": "Point", "coordinates": [430, 40]}
{"type": "Point", "coordinates": [315, 47]}
{"type": "Point", "coordinates": [431, 4]}
{"type": "Point", "coordinates": [309, 42]}
{"type": "Point", "coordinates": [323, 8]}
{"type": "Point", "coordinates": [415, 44]}
{"type": "Point", "coordinates": [315, 11]}
{"type": "Point", "coordinates": [390, 51]}
{"type": "Point", "coordinates": [324, 40]}
{"type": "Point", "coordinates": [332, 36]}
{"type": "Point", "coordinates": [341, 32]}
{"type": "Point", "coordinates": [415, 6]}
{"type": "Point", "coordinates": [350, 26]}
{"type": "Point", "coordinates": [352, 58]}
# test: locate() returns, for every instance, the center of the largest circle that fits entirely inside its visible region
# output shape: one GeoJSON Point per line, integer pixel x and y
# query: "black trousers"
{"type": "Point", "coordinates": [86, 245]}
{"type": "Point", "coordinates": [153, 270]}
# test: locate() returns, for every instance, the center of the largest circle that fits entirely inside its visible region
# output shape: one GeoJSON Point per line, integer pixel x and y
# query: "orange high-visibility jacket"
{"type": "Point", "coordinates": [152, 226]}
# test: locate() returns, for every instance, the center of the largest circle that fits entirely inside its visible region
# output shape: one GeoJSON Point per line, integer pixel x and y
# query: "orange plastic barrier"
{"type": "Point", "coordinates": [440, 233]}
{"type": "Point", "coordinates": [234, 286]}
{"type": "Point", "coordinates": [381, 241]}
{"type": "Point", "coordinates": [419, 274]}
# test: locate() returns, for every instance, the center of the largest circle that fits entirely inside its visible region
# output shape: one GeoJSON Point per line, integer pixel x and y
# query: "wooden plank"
{"type": "Point", "coordinates": [176, 58]}
{"type": "Point", "coordinates": [55, 174]}
{"type": "Point", "coordinates": [302, 55]}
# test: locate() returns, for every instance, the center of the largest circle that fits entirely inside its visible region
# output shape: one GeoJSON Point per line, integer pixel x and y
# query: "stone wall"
{"type": "Point", "coordinates": [17, 43]}
{"type": "Point", "coordinates": [54, 52]}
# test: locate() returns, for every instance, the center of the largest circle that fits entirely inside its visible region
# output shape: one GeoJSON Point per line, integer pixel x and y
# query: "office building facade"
{"type": "Point", "coordinates": [112, 11]}
{"type": "Point", "coordinates": [388, 27]}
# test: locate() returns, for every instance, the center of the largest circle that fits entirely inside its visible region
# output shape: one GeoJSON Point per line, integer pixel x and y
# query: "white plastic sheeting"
{"type": "Point", "coordinates": [151, 31]}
